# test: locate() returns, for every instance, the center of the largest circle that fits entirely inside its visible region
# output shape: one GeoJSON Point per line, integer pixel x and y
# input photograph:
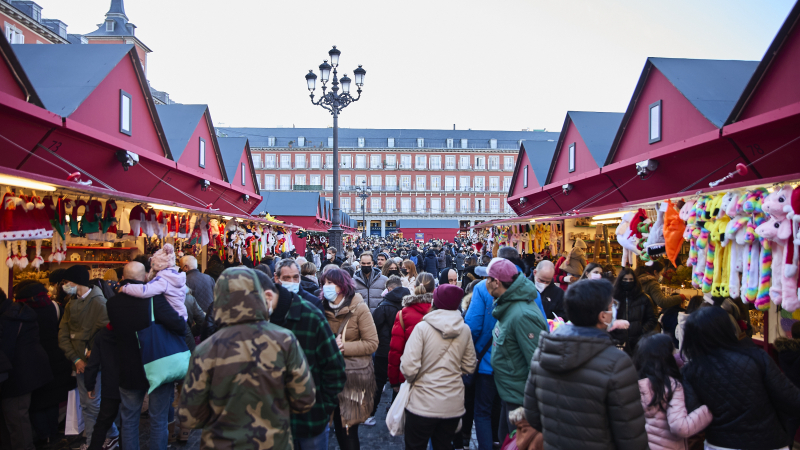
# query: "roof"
{"type": "Point", "coordinates": [780, 38]}
{"type": "Point", "coordinates": [231, 150]}
{"type": "Point", "coordinates": [540, 156]}
{"type": "Point", "coordinates": [712, 86]}
{"type": "Point", "coordinates": [18, 72]}
{"type": "Point", "coordinates": [597, 130]}
{"type": "Point", "coordinates": [428, 223]}
{"type": "Point", "coordinates": [179, 123]}
{"type": "Point", "coordinates": [291, 203]}
{"type": "Point", "coordinates": [81, 68]}
{"type": "Point", "coordinates": [378, 138]}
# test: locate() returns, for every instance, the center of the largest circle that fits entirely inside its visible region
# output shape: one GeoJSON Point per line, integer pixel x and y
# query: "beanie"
{"type": "Point", "coordinates": [78, 274]}
{"type": "Point", "coordinates": [28, 288]}
{"type": "Point", "coordinates": [448, 297]}
{"type": "Point", "coordinates": [163, 258]}
{"type": "Point", "coordinates": [56, 276]}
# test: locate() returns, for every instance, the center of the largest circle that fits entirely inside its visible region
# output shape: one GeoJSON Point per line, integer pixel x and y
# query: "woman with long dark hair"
{"type": "Point", "coordinates": [350, 320]}
{"type": "Point", "coordinates": [593, 271]}
{"type": "Point", "coordinates": [661, 390]}
{"type": "Point", "coordinates": [754, 405]}
{"type": "Point", "coordinates": [633, 305]}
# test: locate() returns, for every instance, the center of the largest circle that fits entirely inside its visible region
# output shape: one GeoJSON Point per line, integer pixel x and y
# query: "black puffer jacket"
{"type": "Point", "coordinates": [639, 312]}
{"type": "Point", "coordinates": [30, 368]}
{"type": "Point", "coordinates": [583, 393]}
{"type": "Point", "coordinates": [753, 403]}
{"type": "Point", "coordinates": [384, 316]}
{"type": "Point", "coordinates": [430, 264]}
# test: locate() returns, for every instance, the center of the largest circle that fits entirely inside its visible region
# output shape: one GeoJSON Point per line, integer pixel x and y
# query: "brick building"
{"type": "Point", "coordinates": [461, 175]}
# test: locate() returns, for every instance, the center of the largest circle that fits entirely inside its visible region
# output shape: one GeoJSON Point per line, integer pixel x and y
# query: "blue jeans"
{"type": "Point", "coordinates": [91, 407]}
{"type": "Point", "coordinates": [485, 392]}
{"type": "Point", "coordinates": [319, 442]}
{"type": "Point", "coordinates": [131, 409]}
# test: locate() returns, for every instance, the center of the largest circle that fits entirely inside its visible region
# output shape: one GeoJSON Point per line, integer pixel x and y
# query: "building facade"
{"type": "Point", "coordinates": [421, 174]}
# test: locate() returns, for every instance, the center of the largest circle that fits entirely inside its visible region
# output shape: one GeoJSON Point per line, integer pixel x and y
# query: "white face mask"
{"type": "Point", "coordinates": [294, 288]}
{"type": "Point", "coordinates": [540, 286]}
{"type": "Point", "coordinates": [70, 290]}
{"type": "Point", "coordinates": [595, 276]}
{"type": "Point", "coordinates": [608, 324]}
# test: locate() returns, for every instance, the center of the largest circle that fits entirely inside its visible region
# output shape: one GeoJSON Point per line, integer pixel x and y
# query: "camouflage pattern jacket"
{"type": "Point", "coordinates": [245, 381]}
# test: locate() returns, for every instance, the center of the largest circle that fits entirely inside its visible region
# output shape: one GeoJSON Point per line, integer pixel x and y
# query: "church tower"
{"type": "Point", "coordinates": [117, 29]}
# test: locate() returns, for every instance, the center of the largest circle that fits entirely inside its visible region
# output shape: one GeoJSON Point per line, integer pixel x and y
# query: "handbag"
{"type": "Point", "coordinates": [358, 396]}
{"type": "Point", "coordinates": [165, 355]}
{"type": "Point", "coordinates": [396, 416]}
{"type": "Point", "coordinates": [469, 379]}
{"type": "Point", "coordinates": [74, 424]}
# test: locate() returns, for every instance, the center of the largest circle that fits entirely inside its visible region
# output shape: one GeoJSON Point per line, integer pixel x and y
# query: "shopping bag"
{"type": "Point", "coordinates": [74, 424]}
{"type": "Point", "coordinates": [396, 417]}
{"type": "Point", "coordinates": [165, 355]}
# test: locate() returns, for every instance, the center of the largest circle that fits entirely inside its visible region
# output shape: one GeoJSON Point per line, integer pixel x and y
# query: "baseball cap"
{"type": "Point", "coordinates": [499, 269]}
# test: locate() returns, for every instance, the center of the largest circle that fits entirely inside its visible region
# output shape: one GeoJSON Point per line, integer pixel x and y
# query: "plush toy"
{"type": "Point", "coordinates": [674, 229]}
{"type": "Point", "coordinates": [627, 240]}
{"type": "Point", "coordinates": [656, 244]}
{"type": "Point", "coordinates": [791, 269]}
{"type": "Point", "coordinates": [700, 238]}
{"type": "Point", "coordinates": [778, 230]}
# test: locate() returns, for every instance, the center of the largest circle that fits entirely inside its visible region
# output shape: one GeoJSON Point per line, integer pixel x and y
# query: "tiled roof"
{"type": "Point", "coordinates": [231, 150]}
{"type": "Point", "coordinates": [597, 130]}
{"type": "Point", "coordinates": [290, 203]}
{"type": "Point", "coordinates": [179, 123]}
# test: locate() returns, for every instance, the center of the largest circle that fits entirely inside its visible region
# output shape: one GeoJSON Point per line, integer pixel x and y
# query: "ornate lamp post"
{"type": "Point", "coordinates": [364, 193]}
{"type": "Point", "coordinates": [334, 102]}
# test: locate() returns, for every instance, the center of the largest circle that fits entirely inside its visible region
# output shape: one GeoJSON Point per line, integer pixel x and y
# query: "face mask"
{"type": "Point", "coordinates": [394, 272]}
{"type": "Point", "coordinates": [627, 285]}
{"type": "Point", "coordinates": [366, 270]}
{"type": "Point", "coordinates": [595, 276]}
{"type": "Point", "coordinates": [329, 292]}
{"type": "Point", "coordinates": [539, 286]}
{"type": "Point", "coordinates": [331, 256]}
{"type": "Point", "coordinates": [70, 290]}
{"type": "Point", "coordinates": [611, 313]}
{"type": "Point", "coordinates": [405, 271]}
{"type": "Point", "coordinates": [294, 288]}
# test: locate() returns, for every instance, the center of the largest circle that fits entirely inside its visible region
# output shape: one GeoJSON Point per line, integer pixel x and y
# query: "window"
{"type": "Point", "coordinates": [286, 161]}
{"type": "Point", "coordinates": [316, 160]}
{"type": "Point", "coordinates": [525, 177]}
{"type": "Point", "coordinates": [109, 25]}
{"type": "Point", "coordinates": [316, 180]}
{"type": "Point", "coordinates": [375, 162]}
{"type": "Point", "coordinates": [256, 157]}
{"type": "Point", "coordinates": [464, 183]}
{"type": "Point", "coordinates": [436, 162]}
{"type": "Point", "coordinates": [421, 204]}
{"type": "Point", "coordinates": [375, 205]}
{"type": "Point", "coordinates": [269, 183]}
{"type": "Point", "coordinates": [655, 122]}
{"type": "Point", "coordinates": [479, 185]}
{"type": "Point", "coordinates": [480, 205]}
{"type": "Point", "coordinates": [269, 161]}
{"type": "Point", "coordinates": [449, 143]}
{"type": "Point", "coordinates": [390, 142]}
{"type": "Point", "coordinates": [361, 161]}
{"type": "Point", "coordinates": [375, 182]}
{"type": "Point", "coordinates": [405, 182]}
{"type": "Point", "coordinates": [344, 182]}
{"type": "Point", "coordinates": [301, 141]}
{"type": "Point", "coordinates": [271, 141]}
{"type": "Point", "coordinates": [492, 143]}
{"type": "Point", "coordinates": [463, 143]}
{"type": "Point", "coordinates": [494, 184]}
{"type": "Point", "coordinates": [508, 163]}
{"type": "Point", "coordinates": [405, 205]}
{"type": "Point", "coordinates": [299, 180]}
{"type": "Point", "coordinates": [202, 150]}
{"type": "Point", "coordinates": [286, 182]}
{"type": "Point", "coordinates": [506, 184]}
{"type": "Point", "coordinates": [299, 161]}
{"type": "Point", "coordinates": [244, 175]}
{"type": "Point", "coordinates": [480, 163]}
{"type": "Point", "coordinates": [464, 205]}
{"type": "Point", "coordinates": [125, 113]}
{"type": "Point", "coordinates": [572, 157]}
{"type": "Point", "coordinates": [405, 161]}
{"type": "Point", "coordinates": [436, 183]}
{"type": "Point", "coordinates": [450, 205]}
{"type": "Point", "coordinates": [463, 162]}
{"type": "Point", "coordinates": [421, 159]}
{"type": "Point", "coordinates": [391, 161]}
{"type": "Point", "coordinates": [436, 205]}
{"type": "Point", "coordinates": [361, 142]}
{"type": "Point", "coordinates": [391, 204]}
{"type": "Point", "coordinates": [494, 205]}
{"type": "Point", "coordinates": [449, 183]}
{"type": "Point", "coordinates": [450, 163]}
{"type": "Point", "coordinates": [347, 161]}
{"type": "Point", "coordinates": [344, 203]}
{"type": "Point", "coordinates": [258, 180]}
{"type": "Point", "coordinates": [494, 163]}
{"type": "Point", "coordinates": [359, 204]}
{"type": "Point", "coordinates": [361, 181]}
{"type": "Point", "coordinates": [420, 183]}
{"type": "Point", "coordinates": [391, 182]}
{"type": "Point", "coordinates": [330, 141]}
{"type": "Point", "coordinates": [328, 182]}
{"type": "Point", "coordinates": [420, 142]}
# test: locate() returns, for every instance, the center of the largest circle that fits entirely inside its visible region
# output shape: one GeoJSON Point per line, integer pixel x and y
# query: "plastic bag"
{"type": "Point", "coordinates": [74, 425]}
{"type": "Point", "coordinates": [396, 417]}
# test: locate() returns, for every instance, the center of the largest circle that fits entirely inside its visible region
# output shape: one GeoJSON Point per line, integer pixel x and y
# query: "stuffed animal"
{"type": "Point", "coordinates": [627, 240]}
{"type": "Point", "coordinates": [778, 230]}
{"type": "Point", "coordinates": [674, 229]}
{"type": "Point", "coordinates": [791, 269]}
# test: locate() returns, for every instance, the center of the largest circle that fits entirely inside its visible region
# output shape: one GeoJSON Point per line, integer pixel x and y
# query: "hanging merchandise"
{"type": "Point", "coordinates": [674, 229]}
{"type": "Point", "coordinates": [21, 219]}
{"type": "Point", "coordinates": [778, 230]}
{"type": "Point", "coordinates": [791, 268]}
{"type": "Point", "coordinates": [627, 240]}
{"type": "Point", "coordinates": [655, 245]}
{"type": "Point", "coordinates": [137, 219]}
{"type": "Point", "coordinates": [38, 260]}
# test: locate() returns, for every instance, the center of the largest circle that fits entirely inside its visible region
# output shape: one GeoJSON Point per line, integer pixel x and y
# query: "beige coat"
{"type": "Point", "coordinates": [361, 338]}
{"type": "Point", "coordinates": [437, 353]}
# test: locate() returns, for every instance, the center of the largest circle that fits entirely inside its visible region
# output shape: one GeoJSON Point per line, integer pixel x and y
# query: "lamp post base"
{"type": "Point", "coordinates": [335, 239]}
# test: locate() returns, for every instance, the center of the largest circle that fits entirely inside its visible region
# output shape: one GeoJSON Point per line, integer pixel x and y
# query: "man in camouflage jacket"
{"type": "Point", "coordinates": [245, 381]}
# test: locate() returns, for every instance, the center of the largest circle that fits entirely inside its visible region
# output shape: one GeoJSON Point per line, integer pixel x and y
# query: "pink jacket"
{"type": "Point", "coordinates": [669, 430]}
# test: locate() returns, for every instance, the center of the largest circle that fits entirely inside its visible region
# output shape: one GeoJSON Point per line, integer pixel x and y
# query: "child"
{"type": "Point", "coordinates": [168, 281]}
{"type": "Point", "coordinates": [668, 423]}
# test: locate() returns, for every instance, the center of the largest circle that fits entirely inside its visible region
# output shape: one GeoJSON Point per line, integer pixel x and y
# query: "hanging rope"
{"type": "Point", "coordinates": [191, 197]}
{"type": "Point", "coordinates": [64, 160]}
{"type": "Point", "coordinates": [34, 154]}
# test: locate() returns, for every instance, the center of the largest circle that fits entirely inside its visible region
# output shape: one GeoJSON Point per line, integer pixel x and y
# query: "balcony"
{"type": "Point", "coordinates": [308, 187]}
{"type": "Point", "coordinates": [494, 167]}
{"type": "Point", "coordinates": [465, 167]}
{"type": "Point", "coordinates": [508, 168]}
{"type": "Point", "coordinates": [451, 210]}
{"type": "Point", "coordinates": [405, 166]}
{"type": "Point", "coordinates": [269, 165]}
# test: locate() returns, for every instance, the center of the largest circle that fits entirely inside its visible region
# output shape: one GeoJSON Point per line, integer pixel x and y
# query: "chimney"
{"type": "Point", "coordinates": [454, 127]}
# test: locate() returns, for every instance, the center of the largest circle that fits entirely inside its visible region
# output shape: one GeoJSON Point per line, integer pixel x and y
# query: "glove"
{"type": "Point", "coordinates": [620, 325]}
{"type": "Point", "coordinates": [568, 279]}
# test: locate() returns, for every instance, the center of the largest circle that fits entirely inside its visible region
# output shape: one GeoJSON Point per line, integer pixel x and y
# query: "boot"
{"type": "Point", "coordinates": [183, 435]}
{"type": "Point", "coordinates": [173, 432]}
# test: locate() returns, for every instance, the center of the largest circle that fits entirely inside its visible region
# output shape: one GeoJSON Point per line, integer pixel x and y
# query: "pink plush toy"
{"type": "Point", "coordinates": [782, 231]}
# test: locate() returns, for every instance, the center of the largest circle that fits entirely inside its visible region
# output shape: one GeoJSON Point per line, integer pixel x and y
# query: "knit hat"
{"type": "Point", "coordinates": [580, 244]}
{"type": "Point", "coordinates": [28, 288]}
{"type": "Point", "coordinates": [56, 276]}
{"type": "Point", "coordinates": [448, 297]}
{"type": "Point", "coordinates": [78, 274]}
{"type": "Point", "coordinates": [163, 258]}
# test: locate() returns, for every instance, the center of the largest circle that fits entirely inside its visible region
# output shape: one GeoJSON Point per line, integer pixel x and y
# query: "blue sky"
{"type": "Point", "coordinates": [503, 65]}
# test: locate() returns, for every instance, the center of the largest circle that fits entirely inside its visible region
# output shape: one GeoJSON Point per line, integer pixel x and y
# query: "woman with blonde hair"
{"type": "Point", "coordinates": [409, 277]}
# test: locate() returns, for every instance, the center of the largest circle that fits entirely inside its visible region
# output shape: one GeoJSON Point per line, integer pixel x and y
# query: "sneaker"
{"type": "Point", "coordinates": [370, 422]}
{"type": "Point", "coordinates": [111, 443]}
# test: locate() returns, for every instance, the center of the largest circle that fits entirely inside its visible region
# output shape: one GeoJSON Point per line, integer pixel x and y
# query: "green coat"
{"type": "Point", "coordinates": [83, 318]}
{"type": "Point", "coordinates": [516, 337]}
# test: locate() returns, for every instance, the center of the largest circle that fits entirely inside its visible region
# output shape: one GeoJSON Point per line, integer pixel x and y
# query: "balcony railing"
{"type": "Point", "coordinates": [433, 211]}
{"type": "Point", "coordinates": [307, 187]}
{"type": "Point", "coordinates": [508, 167]}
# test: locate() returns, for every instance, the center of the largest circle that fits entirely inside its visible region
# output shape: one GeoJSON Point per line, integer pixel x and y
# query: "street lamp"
{"type": "Point", "coordinates": [364, 193]}
{"type": "Point", "coordinates": [335, 103]}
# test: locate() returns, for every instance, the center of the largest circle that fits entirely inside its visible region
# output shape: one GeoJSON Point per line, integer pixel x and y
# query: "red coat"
{"type": "Point", "coordinates": [414, 308]}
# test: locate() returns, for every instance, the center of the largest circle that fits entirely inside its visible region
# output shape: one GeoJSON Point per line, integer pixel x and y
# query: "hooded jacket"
{"type": "Point", "coordinates": [668, 430]}
{"type": "Point", "coordinates": [19, 342]}
{"type": "Point", "coordinates": [430, 264]}
{"type": "Point", "coordinates": [169, 282]}
{"type": "Point", "coordinates": [652, 288]}
{"type": "Point", "coordinates": [83, 318]}
{"type": "Point", "coordinates": [370, 289]}
{"type": "Point", "coordinates": [516, 336]}
{"type": "Point", "coordinates": [583, 393]}
{"type": "Point", "coordinates": [414, 309]}
{"type": "Point", "coordinates": [384, 316]}
{"type": "Point", "coordinates": [437, 353]}
{"type": "Point", "coordinates": [245, 380]}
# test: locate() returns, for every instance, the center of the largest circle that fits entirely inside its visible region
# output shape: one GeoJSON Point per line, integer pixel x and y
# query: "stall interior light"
{"type": "Point", "coordinates": [25, 183]}
{"type": "Point", "coordinates": [610, 215]}
{"type": "Point", "coordinates": [604, 222]}
{"type": "Point", "coordinates": [227, 217]}
{"type": "Point", "coordinates": [168, 208]}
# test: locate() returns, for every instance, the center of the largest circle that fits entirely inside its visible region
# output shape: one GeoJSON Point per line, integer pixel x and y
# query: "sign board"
{"type": "Point", "coordinates": [419, 236]}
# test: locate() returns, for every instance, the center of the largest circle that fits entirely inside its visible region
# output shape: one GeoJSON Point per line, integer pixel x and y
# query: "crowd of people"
{"type": "Point", "coordinates": [287, 350]}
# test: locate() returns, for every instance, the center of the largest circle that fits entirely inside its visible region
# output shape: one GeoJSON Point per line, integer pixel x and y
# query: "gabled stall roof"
{"type": "Point", "coordinates": [231, 150]}
{"type": "Point", "coordinates": [179, 123]}
{"type": "Point", "coordinates": [540, 155]}
{"type": "Point", "coordinates": [276, 203]}
{"type": "Point", "coordinates": [597, 129]}
{"type": "Point", "coordinates": [18, 73]}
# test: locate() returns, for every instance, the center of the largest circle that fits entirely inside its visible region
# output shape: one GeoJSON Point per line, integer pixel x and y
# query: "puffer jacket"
{"type": "Point", "coordinates": [437, 353]}
{"type": "Point", "coordinates": [789, 358]}
{"type": "Point", "coordinates": [414, 309]}
{"type": "Point", "coordinates": [639, 312]}
{"type": "Point", "coordinates": [384, 316]}
{"type": "Point", "coordinates": [460, 259]}
{"type": "Point", "coordinates": [668, 430]}
{"type": "Point", "coordinates": [583, 393]}
{"type": "Point", "coordinates": [370, 289]}
{"type": "Point", "coordinates": [169, 282]}
{"type": "Point", "coordinates": [83, 318]}
{"type": "Point", "coordinates": [753, 403]}
{"type": "Point", "coordinates": [430, 264]}
{"type": "Point", "coordinates": [652, 288]}
{"type": "Point", "coordinates": [361, 338]}
{"type": "Point", "coordinates": [237, 397]}
{"type": "Point", "coordinates": [441, 260]}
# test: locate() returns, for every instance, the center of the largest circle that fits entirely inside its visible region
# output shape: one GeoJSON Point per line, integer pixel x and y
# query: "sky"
{"type": "Point", "coordinates": [432, 64]}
